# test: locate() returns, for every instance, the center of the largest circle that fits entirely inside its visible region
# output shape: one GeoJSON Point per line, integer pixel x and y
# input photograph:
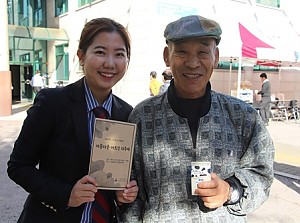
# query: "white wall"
{"type": "Point", "coordinates": [146, 21]}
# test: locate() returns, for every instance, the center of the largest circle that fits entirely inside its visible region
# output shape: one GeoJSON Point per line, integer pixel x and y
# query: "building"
{"type": "Point", "coordinates": [36, 43]}
{"type": "Point", "coordinates": [43, 35]}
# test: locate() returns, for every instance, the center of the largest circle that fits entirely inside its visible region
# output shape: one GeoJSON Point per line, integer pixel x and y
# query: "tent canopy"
{"type": "Point", "coordinates": [37, 33]}
{"type": "Point", "coordinates": [250, 43]}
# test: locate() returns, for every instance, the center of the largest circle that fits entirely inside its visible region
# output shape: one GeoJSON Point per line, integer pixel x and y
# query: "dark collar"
{"type": "Point", "coordinates": [190, 108]}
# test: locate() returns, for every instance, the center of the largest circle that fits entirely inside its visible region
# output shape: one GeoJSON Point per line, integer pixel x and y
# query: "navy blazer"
{"type": "Point", "coordinates": [52, 152]}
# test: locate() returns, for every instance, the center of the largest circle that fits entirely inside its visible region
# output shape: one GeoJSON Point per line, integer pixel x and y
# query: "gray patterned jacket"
{"type": "Point", "coordinates": [232, 136]}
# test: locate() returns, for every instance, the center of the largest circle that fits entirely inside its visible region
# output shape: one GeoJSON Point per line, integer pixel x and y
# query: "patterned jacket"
{"type": "Point", "coordinates": [232, 136]}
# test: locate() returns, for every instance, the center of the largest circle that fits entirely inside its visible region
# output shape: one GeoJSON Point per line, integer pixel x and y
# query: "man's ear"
{"type": "Point", "coordinates": [166, 56]}
{"type": "Point", "coordinates": [216, 57]}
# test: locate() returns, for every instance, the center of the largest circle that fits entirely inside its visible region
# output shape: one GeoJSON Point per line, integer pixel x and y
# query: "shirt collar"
{"type": "Point", "coordinates": [266, 80]}
{"type": "Point", "coordinates": [92, 103]}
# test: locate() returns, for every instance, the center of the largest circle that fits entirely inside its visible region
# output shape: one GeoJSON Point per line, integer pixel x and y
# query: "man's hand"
{"type": "Point", "coordinates": [83, 191]}
{"type": "Point", "coordinates": [214, 193]}
{"type": "Point", "coordinates": [129, 194]}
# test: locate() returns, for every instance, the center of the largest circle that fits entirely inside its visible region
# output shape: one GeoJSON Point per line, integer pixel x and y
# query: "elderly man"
{"type": "Point", "coordinates": [192, 123]}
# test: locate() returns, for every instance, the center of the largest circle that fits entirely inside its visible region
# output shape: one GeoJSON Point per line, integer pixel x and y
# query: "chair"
{"type": "Point", "coordinates": [293, 110]}
{"type": "Point", "coordinates": [280, 96]}
{"type": "Point", "coordinates": [256, 105]}
{"type": "Point", "coordinates": [278, 111]}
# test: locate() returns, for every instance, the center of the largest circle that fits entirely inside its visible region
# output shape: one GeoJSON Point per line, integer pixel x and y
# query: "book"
{"type": "Point", "coordinates": [112, 153]}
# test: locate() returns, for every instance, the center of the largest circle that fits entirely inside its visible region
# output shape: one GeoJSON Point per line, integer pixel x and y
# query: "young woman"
{"type": "Point", "coordinates": [50, 158]}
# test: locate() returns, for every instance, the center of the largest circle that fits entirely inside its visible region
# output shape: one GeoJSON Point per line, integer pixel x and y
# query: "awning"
{"type": "Point", "coordinates": [268, 63]}
{"type": "Point", "coordinates": [37, 33]}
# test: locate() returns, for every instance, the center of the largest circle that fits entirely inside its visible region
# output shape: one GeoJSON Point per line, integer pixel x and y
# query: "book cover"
{"type": "Point", "coordinates": [112, 153]}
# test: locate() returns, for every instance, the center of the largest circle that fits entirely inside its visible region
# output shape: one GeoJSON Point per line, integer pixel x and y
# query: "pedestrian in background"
{"type": "Point", "coordinates": [167, 77]}
{"type": "Point", "coordinates": [50, 158]}
{"type": "Point", "coordinates": [37, 82]}
{"type": "Point", "coordinates": [190, 123]}
{"type": "Point", "coordinates": [265, 104]}
{"type": "Point", "coordinates": [154, 84]}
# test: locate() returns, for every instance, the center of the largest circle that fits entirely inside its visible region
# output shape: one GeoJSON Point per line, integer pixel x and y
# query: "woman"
{"type": "Point", "coordinates": [57, 133]}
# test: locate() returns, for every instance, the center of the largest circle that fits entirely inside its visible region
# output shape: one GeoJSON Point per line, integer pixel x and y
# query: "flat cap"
{"type": "Point", "coordinates": [192, 26]}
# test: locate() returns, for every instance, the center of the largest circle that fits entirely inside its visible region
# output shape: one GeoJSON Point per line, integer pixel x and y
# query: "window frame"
{"type": "Point", "coordinates": [62, 59]}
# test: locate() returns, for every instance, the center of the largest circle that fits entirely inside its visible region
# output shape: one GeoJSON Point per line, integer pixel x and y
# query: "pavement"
{"type": "Point", "coordinates": [283, 205]}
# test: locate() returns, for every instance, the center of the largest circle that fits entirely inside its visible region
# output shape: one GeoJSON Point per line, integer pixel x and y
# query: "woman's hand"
{"type": "Point", "coordinates": [83, 191]}
{"type": "Point", "coordinates": [129, 194]}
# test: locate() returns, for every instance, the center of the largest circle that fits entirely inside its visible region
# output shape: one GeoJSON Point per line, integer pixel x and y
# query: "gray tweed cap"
{"type": "Point", "coordinates": [192, 26]}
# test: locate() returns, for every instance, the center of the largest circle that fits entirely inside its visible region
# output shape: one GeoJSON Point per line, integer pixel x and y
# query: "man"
{"type": "Point", "coordinates": [265, 105]}
{"type": "Point", "coordinates": [167, 77]}
{"type": "Point", "coordinates": [154, 84]}
{"type": "Point", "coordinates": [190, 123]}
{"type": "Point", "coordinates": [37, 82]}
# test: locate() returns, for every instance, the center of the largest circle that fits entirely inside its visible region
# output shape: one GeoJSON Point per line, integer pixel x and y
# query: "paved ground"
{"type": "Point", "coordinates": [283, 206]}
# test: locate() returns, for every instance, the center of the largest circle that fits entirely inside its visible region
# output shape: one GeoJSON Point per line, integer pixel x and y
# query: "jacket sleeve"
{"type": "Point", "coordinates": [256, 169]}
{"type": "Point", "coordinates": [264, 89]}
{"type": "Point", "coordinates": [134, 212]}
{"type": "Point", "coordinates": [24, 164]}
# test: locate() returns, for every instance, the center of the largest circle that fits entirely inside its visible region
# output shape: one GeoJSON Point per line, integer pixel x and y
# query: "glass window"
{"type": "Point", "coordinates": [25, 57]}
{"type": "Point", "coordinates": [62, 63]}
{"type": "Point", "coordinates": [84, 2]}
{"type": "Point", "coordinates": [61, 7]}
{"type": "Point", "coordinates": [10, 10]}
{"type": "Point", "coordinates": [39, 13]}
{"type": "Point", "coordinates": [23, 12]}
{"type": "Point", "coordinates": [273, 3]}
{"type": "Point", "coordinates": [38, 60]}
{"type": "Point", "coordinates": [11, 55]}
